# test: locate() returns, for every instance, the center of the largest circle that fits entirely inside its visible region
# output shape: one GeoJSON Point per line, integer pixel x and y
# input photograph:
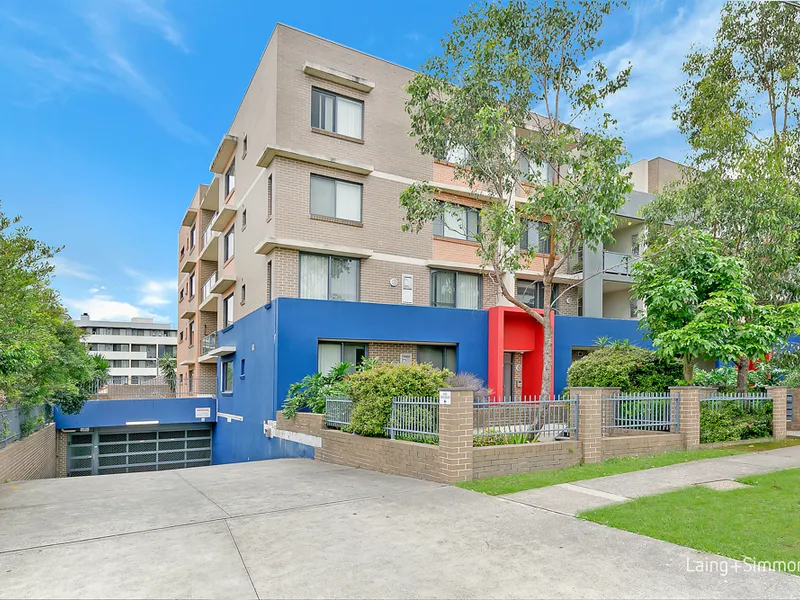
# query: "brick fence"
{"type": "Point", "coordinates": [455, 459]}
{"type": "Point", "coordinates": [33, 457]}
{"type": "Point", "coordinates": [794, 424]}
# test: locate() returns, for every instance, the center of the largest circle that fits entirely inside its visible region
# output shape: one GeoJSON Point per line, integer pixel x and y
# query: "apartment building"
{"type": "Point", "coordinates": [132, 348]}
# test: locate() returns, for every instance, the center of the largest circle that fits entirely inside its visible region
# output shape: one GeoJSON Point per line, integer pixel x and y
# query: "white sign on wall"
{"type": "Point", "coordinates": [408, 289]}
{"type": "Point", "coordinates": [202, 413]}
{"type": "Point", "coordinates": [445, 397]}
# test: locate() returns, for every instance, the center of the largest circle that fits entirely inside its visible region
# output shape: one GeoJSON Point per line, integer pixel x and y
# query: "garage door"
{"type": "Point", "coordinates": [130, 450]}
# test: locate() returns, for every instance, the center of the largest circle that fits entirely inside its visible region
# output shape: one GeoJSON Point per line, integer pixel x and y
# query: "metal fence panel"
{"type": "Point", "coordinates": [16, 422]}
{"type": "Point", "coordinates": [157, 387]}
{"type": "Point", "coordinates": [525, 419]}
{"type": "Point", "coordinates": [749, 401]}
{"type": "Point", "coordinates": [656, 412]}
{"type": "Point", "coordinates": [415, 419]}
{"type": "Point", "coordinates": [790, 407]}
{"type": "Point", "coordinates": [337, 411]}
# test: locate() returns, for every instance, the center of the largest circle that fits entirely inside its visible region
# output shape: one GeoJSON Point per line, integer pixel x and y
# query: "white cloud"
{"type": "Point", "coordinates": [47, 62]}
{"type": "Point", "coordinates": [69, 268]}
{"type": "Point", "coordinates": [96, 289]}
{"type": "Point", "coordinates": [158, 293]}
{"type": "Point", "coordinates": [656, 49]}
{"type": "Point", "coordinates": [105, 307]}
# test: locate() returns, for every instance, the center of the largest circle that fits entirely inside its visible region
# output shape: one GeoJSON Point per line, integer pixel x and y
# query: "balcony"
{"type": "Point", "coordinates": [208, 299]}
{"type": "Point", "coordinates": [226, 214]}
{"type": "Point", "coordinates": [210, 243]}
{"type": "Point", "coordinates": [618, 263]}
{"type": "Point", "coordinates": [223, 282]}
{"type": "Point", "coordinates": [210, 200]}
{"type": "Point", "coordinates": [189, 216]}
{"type": "Point", "coordinates": [210, 349]}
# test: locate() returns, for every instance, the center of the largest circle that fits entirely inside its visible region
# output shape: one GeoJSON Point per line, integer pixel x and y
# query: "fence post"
{"type": "Point", "coordinates": [689, 413]}
{"type": "Point", "coordinates": [794, 424]}
{"type": "Point", "coordinates": [590, 420]}
{"type": "Point", "coordinates": [778, 397]}
{"type": "Point", "coordinates": [455, 434]}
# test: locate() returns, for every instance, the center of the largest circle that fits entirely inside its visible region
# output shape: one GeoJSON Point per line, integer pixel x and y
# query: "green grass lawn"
{"type": "Point", "coordinates": [760, 523]}
{"type": "Point", "coordinates": [495, 486]}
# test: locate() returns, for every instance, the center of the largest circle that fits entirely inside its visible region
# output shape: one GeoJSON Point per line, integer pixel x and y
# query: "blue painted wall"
{"type": "Point", "coordinates": [582, 332]}
{"type": "Point", "coordinates": [115, 413]}
{"type": "Point", "coordinates": [302, 323]}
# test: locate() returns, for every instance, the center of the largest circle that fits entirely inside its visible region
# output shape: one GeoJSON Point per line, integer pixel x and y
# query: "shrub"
{"type": "Point", "coordinates": [722, 378]}
{"type": "Point", "coordinates": [630, 368]}
{"type": "Point", "coordinates": [732, 422]}
{"type": "Point", "coordinates": [766, 374]}
{"type": "Point", "coordinates": [372, 392]}
{"type": "Point", "coordinates": [472, 382]}
{"type": "Point", "coordinates": [311, 391]}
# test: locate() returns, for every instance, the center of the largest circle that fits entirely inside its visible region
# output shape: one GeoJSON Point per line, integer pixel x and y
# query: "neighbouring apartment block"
{"type": "Point", "coordinates": [303, 203]}
{"type": "Point", "coordinates": [132, 348]}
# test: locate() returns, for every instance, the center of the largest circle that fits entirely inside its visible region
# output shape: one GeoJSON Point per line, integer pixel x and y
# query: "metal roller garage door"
{"type": "Point", "coordinates": [130, 450]}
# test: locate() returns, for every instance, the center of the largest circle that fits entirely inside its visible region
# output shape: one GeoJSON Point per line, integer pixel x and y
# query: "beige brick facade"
{"type": "Point", "coordinates": [33, 457]}
{"type": "Point", "coordinates": [391, 353]}
{"type": "Point", "coordinates": [778, 397]}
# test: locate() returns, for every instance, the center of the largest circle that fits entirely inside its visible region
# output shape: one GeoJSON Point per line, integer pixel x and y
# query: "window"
{"type": "Point", "coordinates": [244, 146]}
{"type": "Point", "coordinates": [230, 178]}
{"type": "Point", "coordinates": [441, 357]}
{"type": "Point", "coordinates": [191, 381]}
{"type": "Point", "coordinates": [330, 354]}
{"type": "Point", "coordinates": [335, 198]}
{"type": "Point", "coordinates": [241, 369]}
{"type": "Point", "coordinates": [143, 364]}
{"type": "Point", "coordinates": [191, 333]}
{"type": "Point", "coordinates": [532, 173]}
{"type": "Point", "coordinates": [458, 222]}
{"type": "Point", "coordinates": [119, 379]}
{"type": "Point", "coordinates": [192, 285]}
{"type": "Point", "coordinates": [227, 311]}
{"type": "Point", "coordinates": [336, 113]}
{"type": "Point", "coordinates": [634, 308]}
{"type": "Point", "coordinates": [635, 249]}
{"type": "Point", "coordinates": [229, 244]}
{"type": "Point", "coordinates": [452, 289]}
{"type": "Point", "coordinates": [244, 219]}
{"type": "Point", "coordinates": [227, 376]}
{"type": "Point", "coordinates": [531, 293]}
{"type": "Point", "coordinates": [269, 197]}
{"type": "Point", "coordinates": [269, 281]}
{"type": "Point", "coordinates": [192, 236]}
{"type": "Point", "coordinates": [181, 336]}
{"type": "Point", "coordinates": [329, 277]}
{"type": "Point", "coordinates": [243, 294]}
{"type": "Point", "coordinates": [457, 155]}
{"type": "Point", "coordinates": [118, 364]}
{"type": "Point", "coordinates": [536, 238]}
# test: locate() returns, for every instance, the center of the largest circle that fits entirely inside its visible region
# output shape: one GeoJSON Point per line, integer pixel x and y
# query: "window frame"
{"type": "Point", "coordinates": [244, 220]}
{"type": "Point", "coordinates": [226, 368]}
{"type": "Point", "coordinates": [336, 96]}
{"type": "Point", "coordinates": [439, 223]}
{"type": "Point", "coordinates": [538, 284]}
{"type": "Point", "coordinates": [443, 349]}
{"type": "Point", "coordinates": [230, 175]}
{"type": "Point", "coordinates": [270, 206]}
{"type": "Point", "coordinates": [229, 249]}
{"type": "Point", "coordinates": [330, 257]}
{"type": "Point", "coordinates": [227, 313]}
{"type": "Point", "coordinates": [342, 345]}
{"type": "Point", "coordinates": [336, 180]}
{"type": "Point", "coordinates": [433, 301]}
{"type": "Point", "coordinates": [544, 240]}
{"type": "Point", "coordinates": [191, 333]}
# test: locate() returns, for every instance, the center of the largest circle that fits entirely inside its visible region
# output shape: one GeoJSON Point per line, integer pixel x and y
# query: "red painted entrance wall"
{"type": "Point", "coordinates": [511, 329]}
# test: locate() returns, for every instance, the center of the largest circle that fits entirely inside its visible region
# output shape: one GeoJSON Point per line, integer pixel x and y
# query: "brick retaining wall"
{"type": "Point", "coordinates": [492, 461]}
{"type": "Point", "coordinates": [641, 445]}
{"type": "Point", "coordinates": [31, 458]}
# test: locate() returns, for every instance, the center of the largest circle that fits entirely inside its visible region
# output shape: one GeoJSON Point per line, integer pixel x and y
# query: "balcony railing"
{"type": "Point", "coordinates": [158, 387]}
{"type": "Point", "coordinates": [618, 263]}
{"type": "Point", "coordinates": [209, 343]}
{"type": "Point", "coordinates": [208, 234]}
{"type": "Point", "coordinates": [205, 292]}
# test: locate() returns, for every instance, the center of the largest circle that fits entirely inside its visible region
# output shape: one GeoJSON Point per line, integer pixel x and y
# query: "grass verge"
{"type": "Point", "coordinates": [507, 484]}
{"type": "Point", "coordinates": [756, 524]}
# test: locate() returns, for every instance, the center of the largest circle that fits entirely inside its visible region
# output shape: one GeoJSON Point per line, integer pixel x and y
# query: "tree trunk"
{"type": "Point", "coordinates": [547, 346]}
{"type": "Point", "coordinates": [688, 368]}
{"type": "Point", "coordinates": [743, 369]}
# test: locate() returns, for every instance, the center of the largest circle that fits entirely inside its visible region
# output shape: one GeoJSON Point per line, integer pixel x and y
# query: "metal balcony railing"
{"type": "Point", "coordinates": [209, 343]}
{"type": "Point", "coordinates": [205, 291]}
{"type": "Point", "coordinates": [208, 234]}
{"type": "Point", "coordinates": [618, 263]}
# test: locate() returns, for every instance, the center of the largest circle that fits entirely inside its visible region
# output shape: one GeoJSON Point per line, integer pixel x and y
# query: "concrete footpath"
{"type": "Point", "coordinates": [573, 498]}
{"type": "Point", "coordinates": [302, 529]}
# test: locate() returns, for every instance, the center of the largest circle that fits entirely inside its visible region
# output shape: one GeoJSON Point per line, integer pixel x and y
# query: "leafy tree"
{"type": "Point", "coordinates": [698, 303]}
{"type": "Point", "coordinates": [168, 367]}
{"type": "Point", "coordinates": [739, 111]}
{"type": "Point", "coordinates": [42, 358]}
{"type": "Point", "coordinates": [507, 93]}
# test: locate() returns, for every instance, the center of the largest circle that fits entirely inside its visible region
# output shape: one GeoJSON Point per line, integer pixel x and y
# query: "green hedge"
{"type": "Point", "coordinates": [731, 422]}
{"type": "Point", "coordinates": [630, 368]}
{"type": "Point", "coordinates": [372, 392]}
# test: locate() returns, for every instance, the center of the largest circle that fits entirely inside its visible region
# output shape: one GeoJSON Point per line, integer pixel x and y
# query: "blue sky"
{"type": "Point", "coordinates": [111, 111]}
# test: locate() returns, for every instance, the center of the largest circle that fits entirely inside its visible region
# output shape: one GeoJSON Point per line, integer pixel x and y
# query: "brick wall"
{"type": "Point", "coordinates": [390, 353]}
{"type": "Point", "coordinates": [641, 445]}
{"type": "Point", "coordinates": [794, 424]}
{"type": "Point", "coordinates": [31, 458]}
{"type": "Point", "coordinates": [492, 461]}
{"type": "Point", "coordinates": [62, 448]}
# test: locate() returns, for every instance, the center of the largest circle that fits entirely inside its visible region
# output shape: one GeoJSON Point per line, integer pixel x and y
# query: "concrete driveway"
{"type": "Point", "coordinates": [296, 528]}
